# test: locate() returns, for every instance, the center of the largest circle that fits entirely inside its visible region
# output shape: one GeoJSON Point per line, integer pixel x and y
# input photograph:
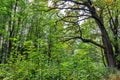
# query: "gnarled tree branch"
{"type": "Point", "coordinates": [86, 41]}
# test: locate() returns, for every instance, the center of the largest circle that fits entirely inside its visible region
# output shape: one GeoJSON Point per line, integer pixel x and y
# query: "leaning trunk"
{"type": "Point", "coordinates": [108, 50]}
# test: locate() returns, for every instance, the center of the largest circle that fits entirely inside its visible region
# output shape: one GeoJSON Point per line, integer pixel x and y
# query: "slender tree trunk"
{"type": "Point", "coordinates": [116, 46]}
{"type": "Point", "coordinates": [11, 28]}
{"type": "Point", "coordinates": [49, 46]}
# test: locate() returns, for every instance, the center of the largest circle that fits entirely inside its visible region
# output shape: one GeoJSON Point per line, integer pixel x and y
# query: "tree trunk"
{"type": "Point", "coordinates": [108, 50]}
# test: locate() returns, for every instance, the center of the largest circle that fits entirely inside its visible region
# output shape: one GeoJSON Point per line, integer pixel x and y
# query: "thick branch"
{"type": "Point", "coordinates": [86, 41]}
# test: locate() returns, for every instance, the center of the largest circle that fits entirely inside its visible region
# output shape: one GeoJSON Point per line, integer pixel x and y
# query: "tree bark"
{"type": "Point", "coordinates": [108, 50]}
{"type": "Point", "coordinates": [108, 47]}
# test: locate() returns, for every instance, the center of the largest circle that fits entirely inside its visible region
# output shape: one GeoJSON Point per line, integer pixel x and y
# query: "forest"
{"type": "Point", "coordinates": [59, 40]}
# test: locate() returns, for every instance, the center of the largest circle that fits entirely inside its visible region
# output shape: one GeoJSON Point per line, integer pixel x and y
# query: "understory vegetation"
{"type": "Point", "coordinates": [59, 40]}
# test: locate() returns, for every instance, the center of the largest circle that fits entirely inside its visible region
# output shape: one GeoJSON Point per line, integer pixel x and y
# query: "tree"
{"type": "Point", "coordinates": [103, 15]}
{"type": "Point", "coordinates": [32, 46]}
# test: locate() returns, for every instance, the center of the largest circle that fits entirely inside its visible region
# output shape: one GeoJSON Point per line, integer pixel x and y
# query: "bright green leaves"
{"type": "Point", "coordinates": [40, 49]}
{"type": "Point", "coordinates": [28, 46]}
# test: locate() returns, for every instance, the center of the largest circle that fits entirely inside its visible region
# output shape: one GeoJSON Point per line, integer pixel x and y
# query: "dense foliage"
{"type": "Point", "coordinates": [37, 42]}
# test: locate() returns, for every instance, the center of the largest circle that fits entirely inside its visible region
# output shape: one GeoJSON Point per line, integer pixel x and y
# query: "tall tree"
{"type": "Point", "coordinates": [13, 27]}
{"type": "Point", "coordinates": [103, 13]}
